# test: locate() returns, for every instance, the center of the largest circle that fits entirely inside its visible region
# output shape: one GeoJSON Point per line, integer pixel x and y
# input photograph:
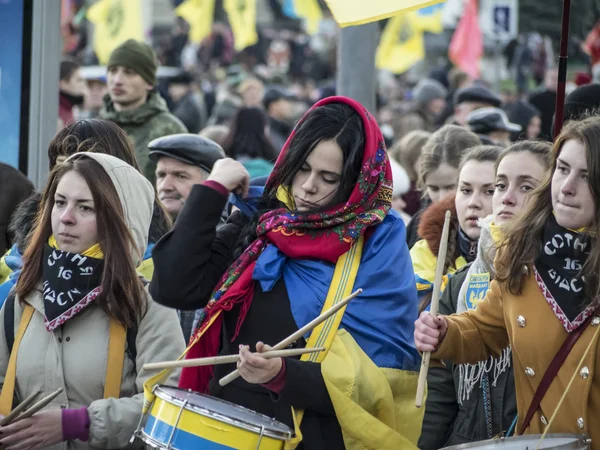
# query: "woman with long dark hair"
{"type": "Point", "coordinates": [248, 142]}
{"type": "Point", "coordinates": [320, 230]}
{"type": "Point", "coordinates": [545, 293]}
{"type": "Point", "coordinates": [82, 319]}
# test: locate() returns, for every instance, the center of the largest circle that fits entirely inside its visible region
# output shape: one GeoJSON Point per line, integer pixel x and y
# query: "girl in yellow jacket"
{"type": "Point", "coordinates": [546, 288]}
{"type": "Point", "coordinates": [472, 202]}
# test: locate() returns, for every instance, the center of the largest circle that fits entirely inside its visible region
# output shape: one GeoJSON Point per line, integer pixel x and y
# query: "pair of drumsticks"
{"type": "Point", "coordinates": [276, 351]}
{"type": "Point", "coordinates": [20, 412]}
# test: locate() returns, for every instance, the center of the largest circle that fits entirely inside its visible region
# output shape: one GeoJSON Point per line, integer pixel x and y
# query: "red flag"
{"type": "Point", "coordinates": [466, 47]}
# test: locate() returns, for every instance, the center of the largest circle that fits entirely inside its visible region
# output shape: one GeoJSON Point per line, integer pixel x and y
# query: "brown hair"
{"type": "Point", "coordinates": [104, 136]}
{"type": "Point", "coordinates": [447, 145]}
{"type": "Point", "coordinates": [122, 296]}
{"type": "Point", "coordinates": [522, 241]}
{"type": "Point", "coordinates": [408, 149]}
{"type": "Point", "coordinates": [481, 153]}
{"type": "Point", "coordinates": [542, 150]}
{"type": "Point", "coordinates": [92, 135]}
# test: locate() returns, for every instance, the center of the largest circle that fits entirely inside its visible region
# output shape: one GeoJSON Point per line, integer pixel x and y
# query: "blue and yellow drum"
{"type": "Point", "coordinates": [181, 419]}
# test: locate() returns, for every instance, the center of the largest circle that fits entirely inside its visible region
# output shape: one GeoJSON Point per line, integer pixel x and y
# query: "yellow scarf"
{"type": "Point", "coordinates": [93, 252]}
{"type": "Point", "coordinates": [285, 196]}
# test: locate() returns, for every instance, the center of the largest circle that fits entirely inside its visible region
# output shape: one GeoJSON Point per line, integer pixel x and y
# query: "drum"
{"type": "Point", "coordinates": [530, 442]}
{"type": "Point", "coordinates": [180, 419]}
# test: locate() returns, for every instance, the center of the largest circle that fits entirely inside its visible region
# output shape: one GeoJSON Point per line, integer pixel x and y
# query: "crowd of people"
{"type": "Point", "coordinates": [229, 224]}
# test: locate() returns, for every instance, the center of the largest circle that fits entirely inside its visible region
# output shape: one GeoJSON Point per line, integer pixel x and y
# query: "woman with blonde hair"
{"type": "Point", "coordinates": [407, 151]}
{"type": "Point", "coordinates": [438, 174]}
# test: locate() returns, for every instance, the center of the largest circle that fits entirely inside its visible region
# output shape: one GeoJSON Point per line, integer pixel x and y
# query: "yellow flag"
{"type": "Point", "coordinates": [199, 14]}
{"type": "Point", "coordinates": [310, 11]}
{"type": "Point", "coordinates": [356, 12]}
{"type": "Point", "coordinates": [402, 44]}
{"type": "Point", "coordinates": [115, 21]}
{"type": "Point", "coordinates": [242, 18]}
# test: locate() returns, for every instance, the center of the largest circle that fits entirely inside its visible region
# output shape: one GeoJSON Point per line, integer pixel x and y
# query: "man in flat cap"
{"type": "Point", "coordinates": [134, 104]}
{"type": "Point", "coordinates": [471, 98]}
{"type": "Point", "coordinates": [492, 126]}
{"type": "Point", "coordinates": [182, 160]}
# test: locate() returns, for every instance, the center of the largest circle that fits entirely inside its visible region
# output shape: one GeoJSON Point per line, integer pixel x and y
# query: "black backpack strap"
{"type": "Point", "coordinates": [9, 320]}
{"type": "Point", "coordinates": [132, 333]}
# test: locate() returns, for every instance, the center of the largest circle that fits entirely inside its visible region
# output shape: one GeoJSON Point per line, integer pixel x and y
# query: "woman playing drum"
{"type": "Point", "coordinates": [546, 289]}
{"type": "Point", "coordinates": [329, 195]}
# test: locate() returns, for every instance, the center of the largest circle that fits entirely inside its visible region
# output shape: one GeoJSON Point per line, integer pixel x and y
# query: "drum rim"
{"type": "Point", "coordinates": [579, 439]}
{"type": "Point", "coordinates": [244, 425]}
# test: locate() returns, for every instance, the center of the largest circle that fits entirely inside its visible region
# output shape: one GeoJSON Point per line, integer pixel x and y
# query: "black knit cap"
{"type": "Point", "coordinates": [137, 56]}
{"type": "Point", "coordinates": [582, 101]}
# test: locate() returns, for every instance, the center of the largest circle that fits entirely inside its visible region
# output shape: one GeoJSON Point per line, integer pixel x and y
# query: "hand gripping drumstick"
{"type": "Point", "coordinates": [18, 409]}
{"type": "Point", "coordinates": [35, 408]}
{"type": "Point", "coordinates": [435, 300]}
{"type": "Point", "coordinates": [298, 334]}
{"type": "Point", "coordinates": [227, 359]}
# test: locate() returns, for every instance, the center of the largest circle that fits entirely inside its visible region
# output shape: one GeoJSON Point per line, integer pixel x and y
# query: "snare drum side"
{"type": "Point", "coordinates": [185, 429]}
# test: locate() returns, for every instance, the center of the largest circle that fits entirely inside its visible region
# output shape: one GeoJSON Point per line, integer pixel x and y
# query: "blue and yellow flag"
{"type": "Point", "coordinates": [357, 12]}
{"type": "Point", "coordinates": [308, 10]}
{"type": "Point", "coordinates": [242, 18]}
{"type": "Point", "coordinates": [402, 44]}
{"type": "Point", "coordinates": [115, 21]}
{"type": "Point", "coordinates": [199, 15]}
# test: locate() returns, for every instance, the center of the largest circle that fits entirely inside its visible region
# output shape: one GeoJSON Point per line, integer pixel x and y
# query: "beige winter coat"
{"type": "Point", "coordinates": [74, 356]}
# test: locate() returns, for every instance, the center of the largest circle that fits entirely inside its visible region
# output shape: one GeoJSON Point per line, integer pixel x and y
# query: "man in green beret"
{"type": "Point", "coordinates": [134, 104]}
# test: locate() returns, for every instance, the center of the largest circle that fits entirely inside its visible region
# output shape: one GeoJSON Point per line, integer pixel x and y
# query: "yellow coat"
{"type": "Point", "coordinates": [529, 325]}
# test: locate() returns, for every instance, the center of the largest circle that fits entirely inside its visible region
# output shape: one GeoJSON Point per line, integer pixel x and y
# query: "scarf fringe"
{"type": "Point", "coordinates": [470, 375]}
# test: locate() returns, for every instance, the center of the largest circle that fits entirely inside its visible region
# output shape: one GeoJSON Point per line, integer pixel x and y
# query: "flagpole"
{"type": "Point", "coordinates": [356, 73]}
{"type": "Point", "coordinates": [562, 69]}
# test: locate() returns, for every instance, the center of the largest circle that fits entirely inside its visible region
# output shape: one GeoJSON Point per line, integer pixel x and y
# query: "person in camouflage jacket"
{"type": "Point", "coordinates": [134, 104]}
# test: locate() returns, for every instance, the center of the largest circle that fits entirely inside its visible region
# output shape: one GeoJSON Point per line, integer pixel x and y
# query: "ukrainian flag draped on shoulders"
{"type": "Point", "coordinates": [371, 366]}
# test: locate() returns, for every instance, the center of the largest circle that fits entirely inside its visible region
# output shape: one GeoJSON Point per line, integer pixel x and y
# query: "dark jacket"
{"type": "Point", "coordinates": [545, 102]}
{"type": "Point", "coordinates": [278, 132]}
{"type": "Point", "coordinates": [191, 112]}
{"type": "Point", "coordinates": [446, 422]}
{"type": "Point", "coordinates": [150, 121]}
{"type": "Point", "coordinates": [14, 188]}
{"type": "Point", "coordinates": [188, 263]}
{"type": "Point", "coordinates": [412, 229]}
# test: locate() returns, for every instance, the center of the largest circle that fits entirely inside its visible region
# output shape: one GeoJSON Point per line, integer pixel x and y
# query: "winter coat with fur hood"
{"type": "Point", "coordinates": [424, 253]}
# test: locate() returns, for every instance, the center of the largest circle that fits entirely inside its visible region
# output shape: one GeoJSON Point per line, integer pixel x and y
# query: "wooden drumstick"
{"type": "Point", "coordinates": [435, 300]}
{"type": "Point", "coordinates": [15, 412]}
{"type": "Point", "coordinates": [227, 359]}
{"type": "Point", "coordinates": [39, 405]}
{"type": "Point", "coordinates": [298, 334]}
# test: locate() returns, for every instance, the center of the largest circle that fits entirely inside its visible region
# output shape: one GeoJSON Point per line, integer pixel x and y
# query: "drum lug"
{"type": "Point", "coordinates": [262, 432]}
{"type": "Point", "coordinates": [176, 424]}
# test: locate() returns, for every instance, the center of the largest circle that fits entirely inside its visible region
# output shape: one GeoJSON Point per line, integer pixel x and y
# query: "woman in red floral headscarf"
{"type": "Point", "coordinates": [272, 267]}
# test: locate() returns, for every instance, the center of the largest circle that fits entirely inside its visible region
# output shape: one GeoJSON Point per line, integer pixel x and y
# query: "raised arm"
{"type": "Point", "coordinates": [192, 257]}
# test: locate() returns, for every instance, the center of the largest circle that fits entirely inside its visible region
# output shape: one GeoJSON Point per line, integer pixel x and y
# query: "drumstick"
{"type": "Point", "coordinates": [39, 405]}
{"type": "Point", "coordinates": [15, 412]}
{"type": "Point", "coordinates": [227, 359]}
{"type": "Point", "coordinates": [298, 334]}
{"type": "Point", "coordinates": [435, 300]}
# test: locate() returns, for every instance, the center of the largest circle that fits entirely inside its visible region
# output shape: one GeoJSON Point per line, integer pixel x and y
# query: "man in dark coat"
{"type": "Point", "coordinates": [545, 102]}
{"type": "Point", "coordinates": [188, 106]}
